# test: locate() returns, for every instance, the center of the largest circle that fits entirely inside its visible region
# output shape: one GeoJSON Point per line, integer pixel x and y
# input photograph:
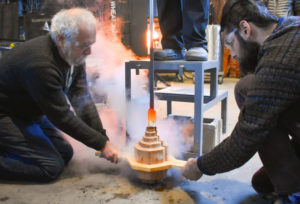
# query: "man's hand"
{"type": "Point", "coordinates": [110, 152]}
{"type": "Point", "coordinates": [191, 170]}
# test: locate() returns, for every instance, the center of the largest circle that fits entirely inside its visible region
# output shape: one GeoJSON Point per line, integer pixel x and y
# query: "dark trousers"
{"type": "Point", "coordinates": [31, 151]}
{"type": "Point", "coordinates": [183, 22]}
{"type": "Point", "coordinates": [280, 152]}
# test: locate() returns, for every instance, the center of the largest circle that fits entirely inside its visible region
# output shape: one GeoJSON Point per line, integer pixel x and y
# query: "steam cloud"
{"type": "Point", "coordinates": [106, 73]}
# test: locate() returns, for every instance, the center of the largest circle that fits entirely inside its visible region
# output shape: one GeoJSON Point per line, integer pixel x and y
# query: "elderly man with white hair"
{"type": "Point", "coordinates": [37, 79]}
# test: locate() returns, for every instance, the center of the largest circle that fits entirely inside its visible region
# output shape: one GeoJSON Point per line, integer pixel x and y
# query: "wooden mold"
{"type": "Point", "coordinates": [151, 160]}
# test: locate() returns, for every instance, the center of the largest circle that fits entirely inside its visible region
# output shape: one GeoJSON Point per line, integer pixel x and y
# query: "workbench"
{"type": "Point", "coordinates": [196, 95]}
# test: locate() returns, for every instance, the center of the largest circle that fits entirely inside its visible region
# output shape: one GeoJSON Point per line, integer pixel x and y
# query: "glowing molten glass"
{"type": "Point", "coordinates": [151, 117]}
{"type": "Point", "coordinates": [155, 37]}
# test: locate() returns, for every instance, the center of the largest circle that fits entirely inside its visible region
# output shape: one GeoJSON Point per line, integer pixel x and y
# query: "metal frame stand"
{"type": "Point", "coordinates": [201, 101]}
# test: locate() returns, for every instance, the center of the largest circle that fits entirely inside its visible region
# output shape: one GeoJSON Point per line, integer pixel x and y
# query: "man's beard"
{"type": "Point", "coordinates": [248, 59]}
{"type": "Point", "coordinates": [72, 60]}
{"type": "Point", "coordinates": [68, 55]}
{"type": "Point", "coordinates": [79, 60]}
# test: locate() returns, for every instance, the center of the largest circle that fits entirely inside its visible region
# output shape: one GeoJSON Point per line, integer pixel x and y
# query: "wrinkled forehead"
{"type": "Point", "coordinates": [86, 34]}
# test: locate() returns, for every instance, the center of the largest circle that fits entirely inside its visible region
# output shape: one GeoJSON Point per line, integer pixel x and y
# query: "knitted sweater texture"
{"type": "Point", "coordinates": [276, 87]}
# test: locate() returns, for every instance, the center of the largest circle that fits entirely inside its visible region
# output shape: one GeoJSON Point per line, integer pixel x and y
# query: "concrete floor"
{"type": "Point", "coordinates": [88, 179]}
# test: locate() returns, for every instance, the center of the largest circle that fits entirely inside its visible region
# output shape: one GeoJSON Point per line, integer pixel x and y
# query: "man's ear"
{"type": "Point", "coordinates": [245, 30]}
{"type": "Point", "coordinates": [60, 40]}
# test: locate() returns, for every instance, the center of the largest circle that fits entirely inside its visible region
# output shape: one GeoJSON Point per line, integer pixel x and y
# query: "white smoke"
{"type": "Point", "coordinates": [106, 68]}
{"type": "Point", "coordinates": [171, 132]}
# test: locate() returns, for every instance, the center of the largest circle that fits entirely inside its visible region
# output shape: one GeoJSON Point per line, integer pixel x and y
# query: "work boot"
{"type": "Point", "coordinates": [196, 54]}
{"type": "Point", "coordinates": [169, 54]}
{"type": "Point", "coordinates": [282, 201]}
{"type": "Point", "coordinates": [291, 199]}
{"type": "Point", "coordinates": [295, 198]}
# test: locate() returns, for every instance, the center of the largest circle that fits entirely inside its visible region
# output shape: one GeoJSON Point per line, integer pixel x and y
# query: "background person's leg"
{"type": "Point", "coordinates": [26, 152]}
{"type": "Point", "coordinates": [195, 19]}
{"type": "Point", "coordinates": [170, 22]}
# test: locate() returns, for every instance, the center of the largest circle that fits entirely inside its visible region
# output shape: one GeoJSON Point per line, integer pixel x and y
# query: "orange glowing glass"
{"type": "Point", "coordinates": [156, 34]}
{"type": "Point", "coordinates": [151, 117]}
{"type": "Point", "coordinates": [155, 40]}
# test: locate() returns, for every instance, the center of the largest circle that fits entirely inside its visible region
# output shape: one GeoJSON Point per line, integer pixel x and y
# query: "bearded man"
{"type": "Point", "coordinates": [37, 79]}
{"type": "Point", "coordinates": [268, 50]}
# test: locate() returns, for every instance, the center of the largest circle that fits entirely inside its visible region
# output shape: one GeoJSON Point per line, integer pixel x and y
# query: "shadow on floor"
{"type": "Point", "coordinates": [222, 191]}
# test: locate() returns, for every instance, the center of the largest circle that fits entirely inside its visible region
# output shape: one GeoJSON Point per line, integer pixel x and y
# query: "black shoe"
{"type": "Point", "coordinates": [169, 54]}
{"type": "Point", "coordinates": [295, 198]}
{"type": "Point", "coordinates": [291, 199]}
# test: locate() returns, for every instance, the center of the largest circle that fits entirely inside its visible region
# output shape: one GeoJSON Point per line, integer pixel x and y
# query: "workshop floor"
{"type": "Point", "coordinates": [88, 179]}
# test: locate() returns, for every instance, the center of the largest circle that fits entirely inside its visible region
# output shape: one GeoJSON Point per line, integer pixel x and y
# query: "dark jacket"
{"type": "Point", "coordinates": [33, 83]}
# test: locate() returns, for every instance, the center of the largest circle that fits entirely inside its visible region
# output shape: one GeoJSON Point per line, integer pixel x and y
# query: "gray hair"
{"type": "Point", "coordinates": [68, 22]}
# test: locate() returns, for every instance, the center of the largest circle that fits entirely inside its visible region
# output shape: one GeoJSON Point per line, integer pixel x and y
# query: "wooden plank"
{"type": "Point", "coordinates": [171, 163]}
{"type": "Point", "coordinates": [176, 163]}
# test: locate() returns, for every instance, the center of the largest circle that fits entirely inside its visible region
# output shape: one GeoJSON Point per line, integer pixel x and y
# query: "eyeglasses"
{"type": "Point", "coordinates": [83, 46]}
{"type": "Point", "coordinates": [228, 42]}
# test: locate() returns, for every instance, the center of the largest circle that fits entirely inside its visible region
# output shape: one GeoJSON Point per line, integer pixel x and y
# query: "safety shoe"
{"type": "Point", "coordinates": [169, 54]}
{"type": "Point", "coordinates": [196, 54]}
{"type": "Point", "coordinates": [295, 198]}
{"type": "Point", "coordinates": [291, 199]}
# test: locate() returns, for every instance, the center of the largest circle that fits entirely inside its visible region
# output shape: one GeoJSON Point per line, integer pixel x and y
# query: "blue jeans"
{"type": "Point", "coordinates": [31, 150]}
{"type": "Point", "coordinates": [183, 23]}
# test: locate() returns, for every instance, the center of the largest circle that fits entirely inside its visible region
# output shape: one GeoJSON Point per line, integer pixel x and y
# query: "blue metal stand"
{"type": "Point", "coordinates": [201, 102]}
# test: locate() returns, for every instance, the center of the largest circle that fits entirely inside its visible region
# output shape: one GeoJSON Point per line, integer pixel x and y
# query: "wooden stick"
{"type": "Point", "coordinates": [171, 163]}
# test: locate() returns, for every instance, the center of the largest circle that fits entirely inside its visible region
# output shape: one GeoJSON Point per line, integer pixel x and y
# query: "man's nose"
{"type": "Point", "coordinates": [88, 51]}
